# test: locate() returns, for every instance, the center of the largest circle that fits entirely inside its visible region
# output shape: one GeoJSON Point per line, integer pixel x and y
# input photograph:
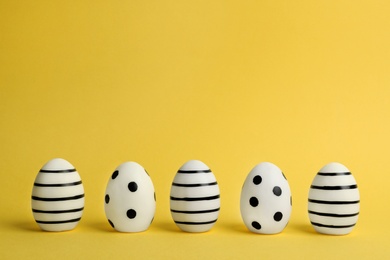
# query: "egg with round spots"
{"type": "Point", "coordinates": [266, 200]}
{"type": "Point", "coordinates": [57, 199]}
{"type": "Point", "coordinates": [195, 197]}
{"type": "Point", "coordinates": [130, 200]}
{"type": "Point", "coordinates": [334, 200]}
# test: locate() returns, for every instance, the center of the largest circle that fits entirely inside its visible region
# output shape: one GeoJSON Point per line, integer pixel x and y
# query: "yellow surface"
{"type": "Point", "coordinates": [231, 83]}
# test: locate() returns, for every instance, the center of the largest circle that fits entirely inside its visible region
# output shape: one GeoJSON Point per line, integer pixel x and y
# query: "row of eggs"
{"type": "Point", "coordinates": [130, 199]}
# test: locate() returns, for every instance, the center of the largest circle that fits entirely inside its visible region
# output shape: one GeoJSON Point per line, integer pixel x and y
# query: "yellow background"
{"type": "Point", "coordinates": [231, 83]}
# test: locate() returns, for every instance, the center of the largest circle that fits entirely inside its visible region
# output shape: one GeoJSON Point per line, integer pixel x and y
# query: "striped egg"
{"type": "Point", "coordinates": [58, 196]}
{"type": "Point", "coordinates": [194, 199]}
{"type": "Point", "coordinates": [334, 200]}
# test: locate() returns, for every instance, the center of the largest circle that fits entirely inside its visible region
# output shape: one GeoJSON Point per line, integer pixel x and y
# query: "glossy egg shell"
{"type": "Point", "coordinates": [130, 199]}
{"type": "Point", "coordinates": [266, 200]}
{"type": "Point", "coordinates": [195, 197]}
{"type": "Point", "coordinates": [334, 200]}
{"type": "Point", "coordinates": [58, 196]}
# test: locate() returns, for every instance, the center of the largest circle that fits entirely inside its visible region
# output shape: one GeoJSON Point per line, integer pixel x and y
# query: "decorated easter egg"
{"type": "Point", "coordinates": [334, 200]}
{"type": "Point", "coordinates": [130, 199]}
{"type": "Point", "coordinates": [266, 200]}
{"type": "Point", "coordinates": [58, 196]}
{"type": "Point", "coordinates": [195, 197]}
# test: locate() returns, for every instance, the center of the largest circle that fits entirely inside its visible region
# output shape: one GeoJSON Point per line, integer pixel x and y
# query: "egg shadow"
{"type": "Point", "coordinates": [236, 227]}
{"type": "Point", "coordinates": [302, 228]}
{"type": "Point", "coordinates": [101, 226]}
{"type": "Point", "coordinates": [243, 230]}
{"type": "Point", "coordinates": [158, 226]}
{"type": "Point", "coordinates": [165, 226]}
{"type": "Point", "coordinates": [26, 226]}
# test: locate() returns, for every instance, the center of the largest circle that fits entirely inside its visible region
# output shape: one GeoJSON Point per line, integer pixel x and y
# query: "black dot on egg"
{"type": "Point", "coordinates": [278, 216]}
{"type": "Point", "coordinates": [277, 191]}
{"type": "Point", "coordinates": [107, 198]}
{"type": "Point", "coordinates": [254, 201]}
{"type": "Point", "coordinates": [114, 175]}
{"type": "Point", "coordinates": [256, 225]}
{"type": "Point", "coordinates": [257, 179]}
{"type": "Point", "coordinates": [131, 213]}
{"type": "Point", "coordinates": [112, 224]}
{"type": "Point", "coordinates": [133, 187]}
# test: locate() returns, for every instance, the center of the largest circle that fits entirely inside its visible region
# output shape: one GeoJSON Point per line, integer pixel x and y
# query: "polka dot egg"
{"type": "Point", "coordinates": [194, 199]}
{"type": "Point", "coordinates": [130, 199]}
{"type": "Point", "coordinates": [266, 200]}
{"type": "Point", "coordinates": [58, 196]}
{"type": "Point", "coordinates": [334, 200]}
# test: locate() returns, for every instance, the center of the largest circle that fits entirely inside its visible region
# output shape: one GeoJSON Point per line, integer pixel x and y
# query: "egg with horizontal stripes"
{"type": "Point", "coordinates": [58, 196]}
{"type": "Point", "coordinates": [334, 200]}
{"type": "Point", "coordinates": [266, 200]}
{"type": "Point", "coordinates": [195, 197]}
{"type": "Point", "coordinates": [130, 199]}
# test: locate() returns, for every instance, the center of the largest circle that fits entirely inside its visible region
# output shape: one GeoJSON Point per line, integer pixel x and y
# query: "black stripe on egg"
{"type": "Point", "coordinates": [333, 206]}
{"type": "Point", "coordinates": [333, 215]}
{"type": "Point", "coordinates": [58, 211]}
{"type": "Point", "coordinates": [57, 171]}
{"type": "Point", "coordinates": [59, 221]}
{"type": "Point", "coordinates": [57, 184]}
{"type": "Point", "coordinates": [196, 223]}
{"type": "Point", "coordinates": [332, 226]}
{"type": "Point", "coordinates": [194, 184]}
{"type": "Point", "coordinates": [59, 198]}
{"type": "Point", "coordinates": [194, 171]}
{"type": "Point", "coordinates": [345, 187]}
{"type": "Point", "coordinates": [334, 173]}
{"type": "Point", "coordinates": [196, 198]}
{"type": "Point", "coordinates": [333, 202]}
{"type": "Point", "coordinates": [195, 211]}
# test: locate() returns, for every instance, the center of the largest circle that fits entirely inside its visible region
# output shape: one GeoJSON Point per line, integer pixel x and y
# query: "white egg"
{"type": "Point", "coordinates": [58, 196]}
{"type": "Point", "coordinates": [334, 200]}
{"type": "Point", "coordinates": [130, 200]}
{"type": "Point", "coordinates": [195, 197]}
{"type": "Point", "coordinates": [266, 200]}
